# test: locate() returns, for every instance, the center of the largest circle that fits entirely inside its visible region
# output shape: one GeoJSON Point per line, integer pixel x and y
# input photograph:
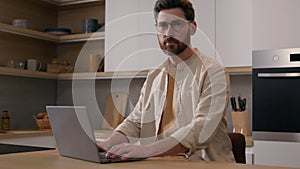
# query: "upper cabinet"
{"type": "Point", "coordinates": [276, 24]}
{"type": "Point", "coordinates": [246, 25]}
{"type": "Point", "coordinates": [234, 32]}
{"type": "Point", "coordinates": [224, 32]}
{"type": "Point", "coordinates": [205, 37]}
{"type": "Point", "coordinates": [131, 43]}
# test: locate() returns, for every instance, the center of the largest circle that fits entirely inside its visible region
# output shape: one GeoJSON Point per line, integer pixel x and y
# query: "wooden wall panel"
{"type": "Point", "coordinates": [72, 16]}
{"type": "Point", "coordinates": [20, 48]}
{"type": "Point", "coordinates": [39, 14]}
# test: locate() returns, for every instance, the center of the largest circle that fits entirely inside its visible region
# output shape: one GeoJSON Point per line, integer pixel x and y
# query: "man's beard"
{"type": "Point", "coordinates": [172, 46]}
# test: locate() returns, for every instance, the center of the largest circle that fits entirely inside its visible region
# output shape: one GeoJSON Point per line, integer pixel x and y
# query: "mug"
{"type": "Point", "coordinates": [33, 64]}
{"type": "Point", "coordinates": [94, 61]}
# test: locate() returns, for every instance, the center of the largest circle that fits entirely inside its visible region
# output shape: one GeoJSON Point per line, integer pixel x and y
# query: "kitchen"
{"type": "Point", "coordinates": [250, 25]}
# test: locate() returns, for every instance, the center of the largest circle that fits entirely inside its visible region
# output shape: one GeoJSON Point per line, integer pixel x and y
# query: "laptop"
{"type": "Point", "coordinates": [74, 136]}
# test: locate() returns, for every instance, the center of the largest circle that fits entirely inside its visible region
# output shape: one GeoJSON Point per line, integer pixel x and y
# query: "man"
{"type": "Point", "coordinates": [182, 105]}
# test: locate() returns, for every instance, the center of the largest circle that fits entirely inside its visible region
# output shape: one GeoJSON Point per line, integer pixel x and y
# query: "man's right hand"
{"type": "Point", "coordinates": [101, 145]}
{"type": "Point", "coordinates": [114, 139]}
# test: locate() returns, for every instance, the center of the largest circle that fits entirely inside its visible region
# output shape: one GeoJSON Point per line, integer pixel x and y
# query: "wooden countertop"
{"type": "Point", "coordinates": [249, 141]}
{"type": "Point", "coordinates": [106, 133]}
{"type": "Point", "coordinates": [51, 160]}
{"type": "Point", "coordinates": [98, 134]}
{"type": "Point", "coordinates": [25, 133]}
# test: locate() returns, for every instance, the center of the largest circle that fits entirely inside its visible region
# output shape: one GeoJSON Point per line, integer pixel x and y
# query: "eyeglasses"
{"type": "Point", "coordinates": [176, 25]}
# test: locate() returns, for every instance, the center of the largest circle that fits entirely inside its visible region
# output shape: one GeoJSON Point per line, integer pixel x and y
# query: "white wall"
{"type": "Point", "coordinates": [130, 39]}
{"type": "Point", "coordinates": [234, 32]}
{"type": "Point", "coordinates": [276, 24]}
{"type": "Point", "coordinates": [130, 36]}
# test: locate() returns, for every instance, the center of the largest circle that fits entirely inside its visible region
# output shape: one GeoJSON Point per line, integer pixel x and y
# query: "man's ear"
{"type": "Point", "coordinates": [193, 28]}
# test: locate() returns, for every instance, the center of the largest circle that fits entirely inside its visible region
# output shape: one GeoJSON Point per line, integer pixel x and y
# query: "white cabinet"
{"type": "Point", "coordinates": [249, 155]}
{"type": "Point", "coordinates": [205, 37]}
{"type": "Point", "coordinates": [234, 32]}
{"type": "Point", "coordinates": [276, 24]}
{"type": "Point", "coordinates": [131, 43]}
{"type": "Point", "coordinates": [275, 153]}
{"type": "Point", "coordinates": [130, 36]}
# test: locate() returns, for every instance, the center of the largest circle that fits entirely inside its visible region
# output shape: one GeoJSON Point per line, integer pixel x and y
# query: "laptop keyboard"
{"type": "Point", "coordinates": [105, 160]}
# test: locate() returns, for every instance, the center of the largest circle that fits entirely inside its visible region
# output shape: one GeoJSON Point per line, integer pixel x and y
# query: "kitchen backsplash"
{"type": "Point", "coordinates": [241, 84]}
{"type": "Point", "coordinates": [24, 96]}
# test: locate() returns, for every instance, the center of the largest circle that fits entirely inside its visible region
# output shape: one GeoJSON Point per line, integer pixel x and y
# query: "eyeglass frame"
{"type": "Point", "coordinates": [172, 25]}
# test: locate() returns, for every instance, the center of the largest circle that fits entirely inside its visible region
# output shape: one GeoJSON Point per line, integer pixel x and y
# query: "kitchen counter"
{"type": "Point", "coordinates": [98, 134]}
{"type": "Point", "coordinates": [107, 133]}
{"type": "Point", "coordinates": [50, 159]}
{"type": "Point", "coordinates": [249, 141]}
{"type": "Point", "coordinates": [25, 133]}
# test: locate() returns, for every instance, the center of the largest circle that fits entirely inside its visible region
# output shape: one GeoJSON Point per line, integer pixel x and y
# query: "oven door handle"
{"type": "Point", "coordinates": [278, 75]}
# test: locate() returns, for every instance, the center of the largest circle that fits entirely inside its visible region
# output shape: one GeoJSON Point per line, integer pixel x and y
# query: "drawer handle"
{"type": "Point", "coordinates": [278, 74]}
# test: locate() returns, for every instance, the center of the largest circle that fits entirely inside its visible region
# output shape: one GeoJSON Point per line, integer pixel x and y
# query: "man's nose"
{"type": "Point", "coordinates": [169, 31]}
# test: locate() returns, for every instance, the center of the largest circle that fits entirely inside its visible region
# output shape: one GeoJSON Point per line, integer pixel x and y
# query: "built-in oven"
{"type": "Point", "coordinates": [276, 95]}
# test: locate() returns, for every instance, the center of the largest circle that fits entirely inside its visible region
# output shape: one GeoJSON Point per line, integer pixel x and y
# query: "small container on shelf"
{"type": "Point", "coordinates": [56, 67]}
{"type": "Point", "coordinates": [21, 23]}
{"type": "Point", "coordinates": [5, 123]}
{"type": "Point", "coordinates": [42, 120]}
{"type": "Point", "coordinates": [90, 25]}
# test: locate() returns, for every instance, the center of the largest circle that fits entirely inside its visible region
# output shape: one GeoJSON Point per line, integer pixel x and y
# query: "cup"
{"type": "Point", "coordinates": [33, 64]}
{"type": "Point", "coordinates": [22, 23]}
{"type": "Point", "coordinates": [94, 61]}
{"type": "Point", "coordinates": [11, 64]}
{"type": "Point", "coordinates": [90, 25]}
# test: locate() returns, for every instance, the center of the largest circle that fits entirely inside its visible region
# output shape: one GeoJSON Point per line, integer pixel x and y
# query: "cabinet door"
{"type": "Point", "coordinates": [276, 153]}
{"type": "Point", "coordinates": [130, 36]}
{"type": "Point", "coordinates": [130, 42]}
{"type": "Point", "coordinates": [276, 24]}
{"type": "Point", "coordinates": [205, 37]}
{"type": "Point", "coordinates": [234, 32]}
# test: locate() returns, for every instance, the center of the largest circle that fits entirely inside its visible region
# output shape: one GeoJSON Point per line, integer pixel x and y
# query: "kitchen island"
{"type": "Point", "coordinates": [50, 159]}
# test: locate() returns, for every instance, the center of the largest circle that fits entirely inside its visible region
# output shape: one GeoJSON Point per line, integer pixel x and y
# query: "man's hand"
{"type": "Point", "coordinates": [102, 146]}
{"type": "Point", "coordinates": [168, 146]}
{"type": "Point", "coordinates": [115, 139]}
{"type": "Point", "coordinates": [127, 150]}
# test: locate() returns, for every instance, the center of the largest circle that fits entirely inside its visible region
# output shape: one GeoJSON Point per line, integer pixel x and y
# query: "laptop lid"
{"type": "Point", "coordinates": [73, 133]}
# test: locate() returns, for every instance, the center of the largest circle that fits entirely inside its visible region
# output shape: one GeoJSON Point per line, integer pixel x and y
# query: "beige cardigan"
{"type": "Point", "coordinates": [201, 97]}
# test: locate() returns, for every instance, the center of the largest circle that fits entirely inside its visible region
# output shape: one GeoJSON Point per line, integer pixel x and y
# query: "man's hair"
{"type": "Point", "coordinates": [185, 5]}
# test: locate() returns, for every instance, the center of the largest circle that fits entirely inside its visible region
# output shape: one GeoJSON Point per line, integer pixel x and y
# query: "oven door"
{"type": "Point", "coordinates": [276, 104]}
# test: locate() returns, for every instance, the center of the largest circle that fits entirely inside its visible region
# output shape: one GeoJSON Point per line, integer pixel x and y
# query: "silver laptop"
{"type": "Point", "coordinates": [74, 136]}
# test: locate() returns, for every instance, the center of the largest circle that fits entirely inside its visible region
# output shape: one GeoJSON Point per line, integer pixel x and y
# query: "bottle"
{"type": "Point", "coordinates": [5, 121]}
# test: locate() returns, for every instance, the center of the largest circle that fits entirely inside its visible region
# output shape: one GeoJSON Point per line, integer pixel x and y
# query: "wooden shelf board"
{"type": "Point", "coordinates": [102, 75]}
{"type": "Point", "coordinates": [49, 37]}
{"type": "Point", "coordinates": [81, 37]}
{"type": "Point", "coordinates": [239, 70]}
{"type": "Point", "coordinates": [70, 2]}
{"type": "Point", "coordinates": [28, 32]}
{"type": "Point", "coordinates": [96, 75]}
{"type": "Point", "coordinates": [27, 73]}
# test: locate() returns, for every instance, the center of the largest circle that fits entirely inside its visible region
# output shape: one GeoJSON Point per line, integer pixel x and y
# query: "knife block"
{"type": "Point", "coordinates": [240, 122]}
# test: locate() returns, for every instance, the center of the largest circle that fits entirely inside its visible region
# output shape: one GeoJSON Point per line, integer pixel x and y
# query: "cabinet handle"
{"type": "Point", "coordinates": [278, 75]}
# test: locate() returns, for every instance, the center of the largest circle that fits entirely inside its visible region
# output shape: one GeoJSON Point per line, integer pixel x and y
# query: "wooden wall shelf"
{"type": "Point", "coordinates": [49, 37]}
{"type": "Point", "coordinates": [27, 73]}
{"type": "Point", "coordinates": [102, 75]}
{"type": "Point", "coordinates": [246, 70]}
{"type": "Point", "coordinates": [70, 2]}
{"type": "Point", "coordinates": [96, 75]}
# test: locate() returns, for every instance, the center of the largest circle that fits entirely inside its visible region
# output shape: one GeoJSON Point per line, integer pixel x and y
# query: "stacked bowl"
{"type": "Point", "coordinates": [90, 25]}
